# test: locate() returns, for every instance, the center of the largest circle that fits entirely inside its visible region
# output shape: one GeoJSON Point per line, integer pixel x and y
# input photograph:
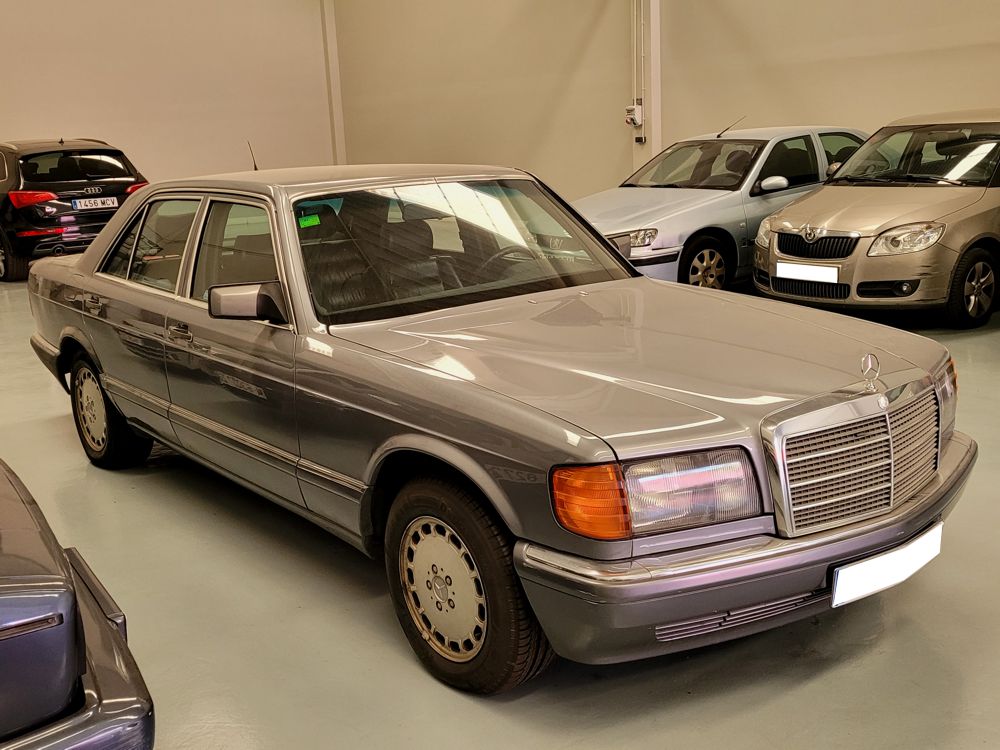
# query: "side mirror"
{"type": "Point", "coordinates": [833, 168]}
{"type": "Point", "coordinates": [771, 184]}
{"type": "Point", "coordinates": [248, 302]}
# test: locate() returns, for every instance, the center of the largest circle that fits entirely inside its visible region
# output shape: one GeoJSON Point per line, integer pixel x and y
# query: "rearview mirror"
{"type": "Point", "coordinates": [248, 302]}
{"type": "Point", "coordinates": [770, 184]}
{"type": "Point", "coordinates": [833, 168]}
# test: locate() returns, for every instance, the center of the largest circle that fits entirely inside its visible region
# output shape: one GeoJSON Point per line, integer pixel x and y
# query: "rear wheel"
{"type": "Point", "coordinates": [106, 437]}
{"type": "Point", "coordinates": [703, 263]}
{"type": "Point", "coordinates": [455, 592]}
{"type": "Point", "coordinates": [973, 289]}
{"type": "Point", "coordinates": [12, 267]}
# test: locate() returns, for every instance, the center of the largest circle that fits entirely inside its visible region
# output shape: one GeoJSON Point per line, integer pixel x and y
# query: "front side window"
{"type": "Point", "coordinates": [235, 248]}
{"type": "Point", "coordinates": [839, 146]}
{"type": "Point", "coordinates": [385, 252]}
{"type": "Point", "coordinates": [926, 155]}
{"type": "Point", "coordinates": [714, 164]}
{"type": "Point", "coordinates": [156, 259]}
{"type": "Point", "coordinates": [794, 159]}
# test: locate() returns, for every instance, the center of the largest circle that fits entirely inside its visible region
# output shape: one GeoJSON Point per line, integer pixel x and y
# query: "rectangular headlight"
{"type": "Point", "coordinates": [691, 489]}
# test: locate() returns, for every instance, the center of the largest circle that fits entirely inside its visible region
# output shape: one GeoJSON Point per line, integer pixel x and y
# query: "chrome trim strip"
{"type": "Point", "coordinates": [155, 403]}
{"type": "Point", "coordinates": [31, 626]}
{"type": "Point", "coordinates": [332, 476]}
{"type": "Point", "coordinates": [235, 436]}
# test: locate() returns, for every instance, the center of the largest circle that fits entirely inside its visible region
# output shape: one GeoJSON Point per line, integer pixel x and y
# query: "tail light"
{"type": "Point", "coordinates": [137, 186]}
{"type": "Point", "coordinates": [25, 198]}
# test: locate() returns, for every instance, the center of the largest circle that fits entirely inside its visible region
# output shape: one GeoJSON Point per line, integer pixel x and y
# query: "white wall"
{"type": "Point", "coordinates": [180, 85]}
{"type": "Point", "coordinates": [850, 62]}
{"type": "Point", "coordinates": [537, 85]}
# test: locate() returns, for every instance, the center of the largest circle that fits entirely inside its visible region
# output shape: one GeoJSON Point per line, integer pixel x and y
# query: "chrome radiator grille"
{"type": "Point", "coordinates": [852, 471]}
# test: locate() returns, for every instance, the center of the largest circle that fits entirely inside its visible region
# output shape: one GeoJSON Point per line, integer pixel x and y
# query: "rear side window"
{"type": "Point", "coordinates": [75, 166]}
{"type": "Point", "coordinates": [235, 248]}
{"type": "Point", "coordinates": [152, 255]}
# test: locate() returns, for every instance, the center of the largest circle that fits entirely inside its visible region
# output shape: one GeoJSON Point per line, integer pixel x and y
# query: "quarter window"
{"type": "Point", "coordinates": [117, 264]}
{"type": "Point", "coordinates": [794, 159]}
{"type": "Point", "coordinates": [236, 247]}
{"type": "Point", "coordinates": [156, 259]}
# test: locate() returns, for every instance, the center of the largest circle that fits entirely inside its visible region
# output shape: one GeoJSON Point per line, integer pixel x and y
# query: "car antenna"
{"type": "Point", "coordinates": [724, 130]}
{"type": "Point", "coordinates": [252, 157]}
{"type": "Point", "coordinates": [61, 141]}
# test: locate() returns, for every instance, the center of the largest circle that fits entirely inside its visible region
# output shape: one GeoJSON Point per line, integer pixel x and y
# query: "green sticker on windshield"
{"type": "Point", "coordinates": [308, 221]}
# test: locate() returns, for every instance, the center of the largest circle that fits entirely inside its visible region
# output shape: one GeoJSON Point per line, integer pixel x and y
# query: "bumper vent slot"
{"type": "Point", "coordinates": [815, 289]}
{"type": "Point", "coordinates": [733, 618]}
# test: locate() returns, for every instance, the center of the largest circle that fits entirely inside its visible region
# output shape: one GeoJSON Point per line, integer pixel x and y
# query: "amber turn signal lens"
{"type": "Point", "coordinates": [590, 501]}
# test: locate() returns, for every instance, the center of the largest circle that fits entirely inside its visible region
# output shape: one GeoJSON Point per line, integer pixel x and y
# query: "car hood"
{"type": "Point", "coordinates": [872, 210]}
{"type": "Point", "coordinates": [645, 364]}
{"type": "Point", "coordinates": [626, 208]}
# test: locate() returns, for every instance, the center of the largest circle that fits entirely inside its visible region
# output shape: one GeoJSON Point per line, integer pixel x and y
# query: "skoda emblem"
{"type": "Point", "coordinates": [809, 235]}
{"type": "Point", "coordinates": [870, 369]}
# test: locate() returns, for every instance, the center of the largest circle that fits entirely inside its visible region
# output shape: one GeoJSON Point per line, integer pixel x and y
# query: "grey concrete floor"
{"type": "Point", "coordinates": [255, 629]}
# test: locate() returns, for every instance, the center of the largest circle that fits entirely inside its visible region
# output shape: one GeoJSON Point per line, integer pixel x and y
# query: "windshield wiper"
{"type": "Point", "coordinates": [929, 178]}
{"type": "Point", "coordinates": [862, 178]}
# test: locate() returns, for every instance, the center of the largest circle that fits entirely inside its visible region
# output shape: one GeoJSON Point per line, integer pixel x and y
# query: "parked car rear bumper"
{"type": "Point", "coordinates": [116, 711]}
{"type": "Point", "coordinates": [605, 612]}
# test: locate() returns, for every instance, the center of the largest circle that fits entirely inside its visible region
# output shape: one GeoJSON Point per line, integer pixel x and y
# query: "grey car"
{"type": "Point", "coordinates": [691, 213]}
{"type": "Point", "coordinates": [67, 679]}
{"type": "Point", "coordinates": [446, 367]}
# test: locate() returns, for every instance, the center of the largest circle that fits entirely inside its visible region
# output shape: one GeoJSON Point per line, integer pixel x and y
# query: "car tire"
{"type": "Point", "coordinates": [106, 437]}
{"type": "Point", "coordinates": [12, 267]}
{"type": "Point", "coordinates": [973, 289]}
{"type": "Point", "coordinates": [455, 591]}
{"type": "Point", "coordinates": [706, 263]}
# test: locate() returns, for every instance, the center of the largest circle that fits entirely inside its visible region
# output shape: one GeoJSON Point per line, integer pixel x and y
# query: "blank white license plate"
{"type": "Point", "coordinates": [83, 203]}
{"type": "Point", "coordinates": [803, 272]}
{"type": "Point", "coordinates": [867, 577]}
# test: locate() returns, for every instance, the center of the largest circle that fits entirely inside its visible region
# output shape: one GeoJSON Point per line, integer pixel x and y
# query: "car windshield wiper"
{"type": "Point", "coordinates": [862, 178]}
{"type": "Point", "coordinates": [929, 178]}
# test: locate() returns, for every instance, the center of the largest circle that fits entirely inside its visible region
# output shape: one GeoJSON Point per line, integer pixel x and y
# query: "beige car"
{"type": "Point", "coordinates": [911, 219]}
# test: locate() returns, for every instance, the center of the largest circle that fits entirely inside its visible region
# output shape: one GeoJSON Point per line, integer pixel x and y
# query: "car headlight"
{"type": "Point", "coordinates": [946, 385]}
{"type": "Point", "coordinates": [642, 237]}
{"type": "Point", "coordinates": [764, 233]}
{"type": "Point", "coordinates": [909, 238]}
{"type": "Point", "coordinates": [664, 494]}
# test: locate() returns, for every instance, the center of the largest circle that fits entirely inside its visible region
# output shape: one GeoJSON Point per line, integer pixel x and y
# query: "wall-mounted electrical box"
{"type": "Point", "coordinates": [633, 115]}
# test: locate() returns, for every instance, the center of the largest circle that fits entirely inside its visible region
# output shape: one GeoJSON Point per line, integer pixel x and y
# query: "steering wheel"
{"type": "Point", "coordinates": [505, 252]}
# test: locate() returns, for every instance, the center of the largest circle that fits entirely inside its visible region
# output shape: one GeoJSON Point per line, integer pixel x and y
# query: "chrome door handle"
{"type": "Point", "coordinates": [180, 331]}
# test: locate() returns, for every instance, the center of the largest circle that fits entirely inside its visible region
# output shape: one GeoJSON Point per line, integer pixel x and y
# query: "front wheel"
{"type": "Point", "coordinates": [973, 289]}
{"type": "Point", "coordinates": [703, 263]}
{"type": "Point", "coordinates": [455, 592]}
{"type": "Point", "coordinates": [106, 437]}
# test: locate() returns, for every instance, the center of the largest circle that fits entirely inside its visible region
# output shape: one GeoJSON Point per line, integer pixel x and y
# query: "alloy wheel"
{"type": "Point", "coordinates": [91, 412]}
{"type": "Point", "coordinates": [443, 589]}
{"type": "Point", "coordinates": [708, 269]}
{"type": "Point", "coordinates": [980, 288]}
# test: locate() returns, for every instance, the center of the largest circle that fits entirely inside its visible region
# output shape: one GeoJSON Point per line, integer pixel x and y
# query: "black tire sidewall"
{"type": "Point", "coordinates": [123, 447]}
{"type": "Point", "coordinates": [15, 268]}
{"type": "Point", "coordinates": [490, 669]}
{"type": "Point", "coordinates": [694, 247]}
{"type": "Point", "coordinates": [957, 313]}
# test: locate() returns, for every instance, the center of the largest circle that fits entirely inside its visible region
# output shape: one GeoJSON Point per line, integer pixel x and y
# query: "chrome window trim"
{"type": "Point", "coordinates": [840, 408]}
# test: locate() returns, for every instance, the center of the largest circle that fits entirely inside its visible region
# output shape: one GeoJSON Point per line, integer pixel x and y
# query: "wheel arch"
{"type": "Point", "coordinates": [73, 342]}
{"type": "Point", "coordinates": [730, 248]}
{"type": "Point", "coordinates": [987, 241]}
{"type": "Point", "coordinates": [402, 459]}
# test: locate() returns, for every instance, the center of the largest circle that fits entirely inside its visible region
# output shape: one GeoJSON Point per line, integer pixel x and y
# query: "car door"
{"type": "Point", "coordinates": [126, 306]}
{"type": "Point", "coordinates": [793, 158]}
{"type": "Point", "coordinates": [232, 381]}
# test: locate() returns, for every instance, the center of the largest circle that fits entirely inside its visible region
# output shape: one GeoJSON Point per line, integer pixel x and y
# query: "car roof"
{"type": "Point", "coordinates": [767, 134]}
{"type": "Point", "coordinates": [951, 118]}
{"type": "Point", "coordinates": [314, 179]}
{"type": "Point", "coordinates": [41, 145]}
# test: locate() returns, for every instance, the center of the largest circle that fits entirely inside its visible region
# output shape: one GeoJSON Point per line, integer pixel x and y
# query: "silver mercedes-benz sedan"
{"type": "Point", "coordinates": [448, 368]}
{"type": "Point", "coordinates": [691, 213]}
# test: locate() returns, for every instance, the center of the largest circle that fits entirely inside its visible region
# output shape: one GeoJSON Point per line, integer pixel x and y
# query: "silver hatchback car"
{"type": "Point", "coordinates": [691, 213]}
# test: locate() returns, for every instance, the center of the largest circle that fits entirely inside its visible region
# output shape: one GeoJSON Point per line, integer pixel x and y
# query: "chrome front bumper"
{"type": "Point", "coordinates": [605, 612]}
{"type": "Point", "coordinates": [116, 711]}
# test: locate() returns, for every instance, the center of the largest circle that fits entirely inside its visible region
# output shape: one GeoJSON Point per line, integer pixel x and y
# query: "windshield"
{"type": "Point", "coordinates": [71, 166]}
{"type": "Point", "coordinates": [385, 252]}
{"type": "Point", "coordinates": [925, 155]}
{"type": "Point", "coordinates": [714, 164]}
